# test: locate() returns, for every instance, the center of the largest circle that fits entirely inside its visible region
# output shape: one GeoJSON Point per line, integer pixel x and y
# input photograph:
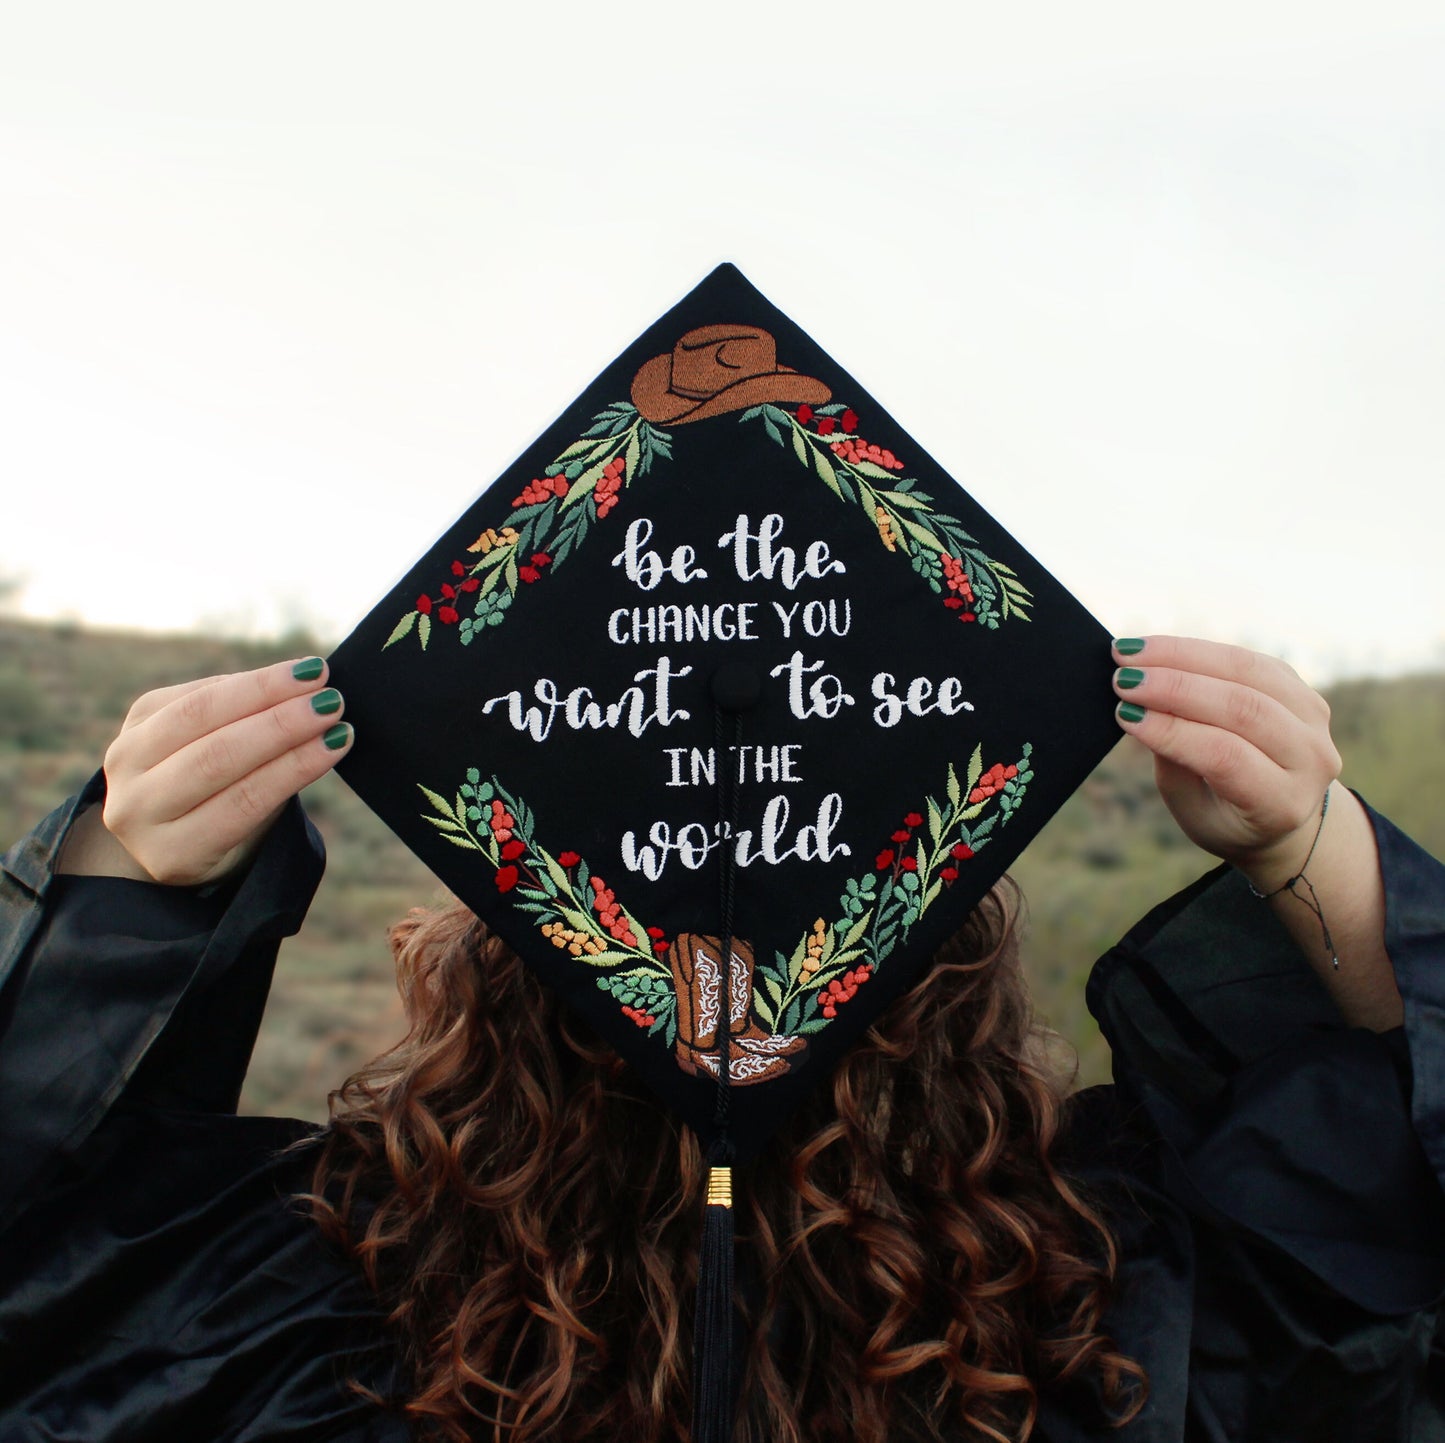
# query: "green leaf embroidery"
{"type": "Point", "coordinates": [920, 533]}
{"type": "Point", "coordinates": [800, 446]}
{"type": "Point", "coordinates": [438, 801]}
{"type": "Point", "coordinates": [975, 766]}
{"type": "Point", "coordinates": [423, 630]}
{"type": "Point", "coordinates": [899, 498]}
{"type": "Point", "coordinates": [401, 629]}
{"type": "Point", "coordinates": [873, 470]}
{"type": "Point", "coordinates": [824, 467]}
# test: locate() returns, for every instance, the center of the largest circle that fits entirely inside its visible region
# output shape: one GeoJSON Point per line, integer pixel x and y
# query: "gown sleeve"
{"type": "Point", "coordinates": [155, 1280]}
{"type": "Point", "coordinates": [1283, 1172]}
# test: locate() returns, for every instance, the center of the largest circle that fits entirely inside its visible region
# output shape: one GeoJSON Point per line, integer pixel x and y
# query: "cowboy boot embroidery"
{"type": "Point", "coordinates": [755, 1055]}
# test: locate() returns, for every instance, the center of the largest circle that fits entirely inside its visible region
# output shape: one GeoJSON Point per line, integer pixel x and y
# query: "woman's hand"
{"type": "Point", "coordinates": [1242, 749]}
{"type": "Point", "coordinates": [1243, 759]}
{"type": "Point", "coordinates": [200, 771]}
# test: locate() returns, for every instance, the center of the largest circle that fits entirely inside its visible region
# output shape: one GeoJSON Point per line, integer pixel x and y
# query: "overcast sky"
{"type": "Point", "coordinates": [282, 286]}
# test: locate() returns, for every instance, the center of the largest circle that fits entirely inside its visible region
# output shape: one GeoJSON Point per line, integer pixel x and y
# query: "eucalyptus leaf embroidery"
{"type": "Point", "coordinates": [975, 586]}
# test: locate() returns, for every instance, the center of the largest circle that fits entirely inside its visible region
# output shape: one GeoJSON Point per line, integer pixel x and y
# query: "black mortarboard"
{"type": "Point", "coordinates": [724, 666]}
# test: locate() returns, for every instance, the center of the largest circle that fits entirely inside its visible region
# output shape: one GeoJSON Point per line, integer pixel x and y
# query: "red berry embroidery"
{"type": "Point", "coordinates": [843, 989]}
{"type": "Point", "coordinates": [805, 414]}
{"type": "Point", "coordinates": [447, 614]}
{"type": "Point", "coordinates": [609, 913]}
{"type": "Point", "coordinates": [458, 569]}
{"type": "Point", "coordinates": [423, 605]}
{"type": "Point", "coordinates": [960, 589]}
{"type": "Point", "coordinates": [501, 823]}
{"type": "Point", "coordinates": [545, 490]}
{"type": "Point", "coordinates": [992, 781]}
{"type": "Point", "coordinates": [850, 419]}
{"type": "Point", "coordinates": [609, 483]}
{"type": "Point", "coordinates": [853, 450]}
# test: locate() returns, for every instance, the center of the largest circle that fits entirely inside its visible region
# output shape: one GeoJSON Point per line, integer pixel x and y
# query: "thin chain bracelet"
{"type": "Point", "coordinates": [1312, 901]}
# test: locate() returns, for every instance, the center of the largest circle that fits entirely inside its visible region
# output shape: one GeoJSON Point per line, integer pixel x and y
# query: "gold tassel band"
{"type": "Point", "coordinates": [720, 1187]}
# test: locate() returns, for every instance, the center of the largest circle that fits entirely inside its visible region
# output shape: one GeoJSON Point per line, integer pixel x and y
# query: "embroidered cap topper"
{"type": "Point", "coordinates": [724, 701]}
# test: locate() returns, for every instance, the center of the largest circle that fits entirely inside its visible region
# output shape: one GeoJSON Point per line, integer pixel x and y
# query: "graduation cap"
{"type": "Point", "coordinates": [724, 705]}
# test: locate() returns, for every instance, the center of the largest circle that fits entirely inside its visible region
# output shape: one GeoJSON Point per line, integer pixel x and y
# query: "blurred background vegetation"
{"type": "Point", "coordinates": [1110, 854]}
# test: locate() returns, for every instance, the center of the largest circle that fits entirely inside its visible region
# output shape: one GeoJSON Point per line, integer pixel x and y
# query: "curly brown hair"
{"type": "Point", "coordinates": [529, 1217]}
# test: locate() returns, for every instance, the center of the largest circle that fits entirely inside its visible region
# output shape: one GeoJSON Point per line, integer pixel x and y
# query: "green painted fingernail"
{"type": "Point", "coordinates": [1130, 713]}
{"type": "Point", "coordinates": [1129, 645]}
{"type": "Point", "coordinates": [326, 702]}
{"type": "Point", "coordinates": [336, 737]}
{"type": "Point", "coordinates": [309, 669]}
{"type": "Point", "coordinates": [1129, 676]}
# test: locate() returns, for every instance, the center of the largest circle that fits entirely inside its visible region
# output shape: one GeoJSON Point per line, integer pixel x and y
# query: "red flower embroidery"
{"type": "Point", "coordinates": [913, 819]}
{"type": "Point", "coordinates": [458, 569]}
{"type": "Point", "coordinates": [470, 584]}
{"type": "Point", "coordinates": [827, 426]}
{"type": "Point", "coordinates": [885, 859]}
{"type": "Point", "coordinates": [512, 850]}
{"type": "Point", "coordinates": [449, 591]}
{"type": "Point", "coordinates": [850, 420]}
{"type": "Point", "coordinates": [909, 864]}
{"type": "Point", "coordinates": [506, 878]}
{"type": "Point", "coordinates": [529, 574]}
{"type": "Point", "coordinates": [805, 414]}
{"type": "Point", "coordinates": [899, 837]}
{"type": "Point", "coordinates": [949, 874]}
{"type": "Point", "coordinates": [569, 859]}
{"type": "Point", "coordinates": [447, 614]}
{"type": "Point", "coordinates": [962, 851]}
{"type": "Point", "coordinates": [423, 605]}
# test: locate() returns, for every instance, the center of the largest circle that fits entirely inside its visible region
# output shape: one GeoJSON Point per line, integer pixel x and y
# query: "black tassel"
{"type": "Point", "coordinates": [712, 1375]}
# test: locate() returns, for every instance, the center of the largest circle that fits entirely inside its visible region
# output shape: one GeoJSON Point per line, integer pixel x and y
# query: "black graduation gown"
{"type": "Point", "coordinates": [1274, 1175]}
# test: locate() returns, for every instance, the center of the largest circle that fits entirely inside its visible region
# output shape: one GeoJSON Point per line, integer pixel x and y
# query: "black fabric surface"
{"type": "Point", "coordinates": [1268, 1170]}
